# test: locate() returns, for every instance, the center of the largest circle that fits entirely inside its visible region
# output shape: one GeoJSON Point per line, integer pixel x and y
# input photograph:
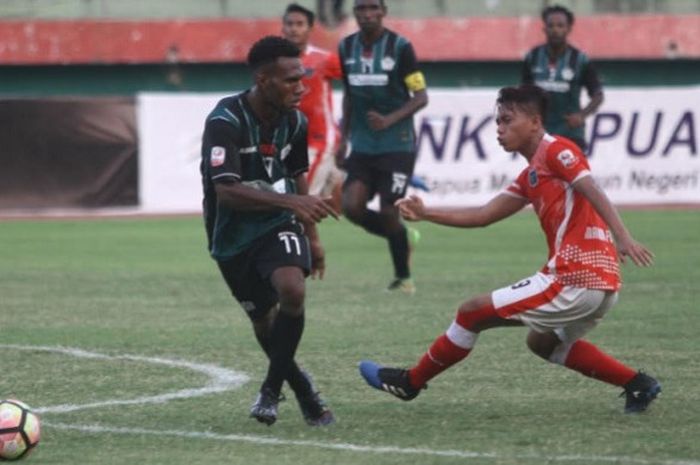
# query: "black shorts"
{"type": "Point", "coordinates": [387, 174]}
{"type": "Point", "coordinates": [248, 273]}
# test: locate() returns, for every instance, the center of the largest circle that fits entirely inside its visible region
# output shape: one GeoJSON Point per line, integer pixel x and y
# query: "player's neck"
{"type": "Point", "coordinates": [530, 148]}
{"type": "Point", "coordinates": [263, 111]}
{"type": "Point", "coordinates": [556, 51]}
{"type": "Point", "coordinates": [370, 37]}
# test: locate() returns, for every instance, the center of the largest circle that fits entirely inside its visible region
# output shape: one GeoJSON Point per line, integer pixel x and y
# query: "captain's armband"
{"type": "Point", "coordinates": [415, 81]}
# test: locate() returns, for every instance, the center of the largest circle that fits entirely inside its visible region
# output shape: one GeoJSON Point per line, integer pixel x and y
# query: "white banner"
{"type": "Point", "coordinates": [643, 147]}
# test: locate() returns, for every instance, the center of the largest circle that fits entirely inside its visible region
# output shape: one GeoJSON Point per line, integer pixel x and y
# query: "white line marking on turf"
{"type": "Point", "coordinates": [220, 379]}
{"type": "Point", "coordinates": [97, 429]}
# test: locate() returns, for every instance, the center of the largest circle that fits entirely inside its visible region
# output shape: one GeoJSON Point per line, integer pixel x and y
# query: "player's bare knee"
{"type": "Point", "coordinates": [466, 307]}
{"type": "Point", "coordinates": [542, 344]}
{"type": "Point", "coordinates": [473, 305]}
{"type": "Point", "coordinates": [292, 298]}
{"type": "Point", "coordinates": [353, 209]}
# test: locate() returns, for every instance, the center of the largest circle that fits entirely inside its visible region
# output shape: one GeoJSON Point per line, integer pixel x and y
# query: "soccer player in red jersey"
{"type": "Point", "coordinates": [321, 67]}
{"type": "Point", "coordinates": [575, 288]}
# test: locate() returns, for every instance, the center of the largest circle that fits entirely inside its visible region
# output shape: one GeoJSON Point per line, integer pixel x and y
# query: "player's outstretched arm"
{"type": "Point", "coordinates": [626, 245]}
{"type": "Point", "coordinates": [502, 206]}
{"type": "Point", "coordinates": [309, 209]}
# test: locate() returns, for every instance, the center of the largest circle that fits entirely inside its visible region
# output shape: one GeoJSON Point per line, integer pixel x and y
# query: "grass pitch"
{"type": "Point", "coordinates": [146, 287]}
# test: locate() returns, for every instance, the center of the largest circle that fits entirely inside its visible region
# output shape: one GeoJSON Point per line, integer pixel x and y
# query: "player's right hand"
{"type": "Point", "coordinates": [637, 252]}
{"type": "Point", "coordinates": [312, 209]}
{"type": "Point", "coordinates": [411, 208]}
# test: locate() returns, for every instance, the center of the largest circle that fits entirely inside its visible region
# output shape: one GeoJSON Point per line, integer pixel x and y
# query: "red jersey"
{"type": "Point", "coordinates": [581, 248]}
{"type": "Point", "coordinates": [320, 67]}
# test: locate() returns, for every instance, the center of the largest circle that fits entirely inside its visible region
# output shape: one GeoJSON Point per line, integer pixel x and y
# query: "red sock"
{"type": "Point", "coordinates": [444, 352]}
{"type": "Point", "coordinates": [441, 355]}
{"type": "Point", "coordinates": [589, 360]}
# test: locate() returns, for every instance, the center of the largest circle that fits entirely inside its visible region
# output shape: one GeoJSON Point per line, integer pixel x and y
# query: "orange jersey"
{"type": "Point", "coordinates": [581, 248]}
{"type": "Point", "coordinates": [320, 68]}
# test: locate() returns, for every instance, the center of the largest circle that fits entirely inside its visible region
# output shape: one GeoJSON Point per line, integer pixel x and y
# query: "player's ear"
{"type": "Point", "coordinates": [262, 76]}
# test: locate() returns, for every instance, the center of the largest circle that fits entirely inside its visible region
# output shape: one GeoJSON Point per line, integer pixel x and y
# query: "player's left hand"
{"type": "Point", "coordinates": [574, 120]}
{"type": "Point", "coordinates": [318, 259]}
{"type": "Point", "coordinates": [411, 208]}
{"type": "Point", "coordinates": [638, 253]}
{"type": "Point", "coordinates": [377, 121]}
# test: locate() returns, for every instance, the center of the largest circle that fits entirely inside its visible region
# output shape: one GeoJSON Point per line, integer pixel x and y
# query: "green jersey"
{"type": "Point", "coordinates": [374, 78]}
{"type": "Point", "coordinates": [563, 80]}
{"type": "Point", "coordinates": [237, 147]}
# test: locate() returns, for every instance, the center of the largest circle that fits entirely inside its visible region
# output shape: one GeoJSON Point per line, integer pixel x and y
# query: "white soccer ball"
{"type": "Point", "coordinates": [19, 429]}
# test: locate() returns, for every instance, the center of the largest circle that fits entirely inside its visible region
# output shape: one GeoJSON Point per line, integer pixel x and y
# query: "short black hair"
{"type": "Point", "coordinates": [270, 48]}
{"type": "Point", "coordinates": [558, 9]}
{"type": "Point", "coordinates": [382, 3]}
{"type": "Point", "coordinates": [296, 8]}
{"type": "Point", "coordinates": [527, 97]}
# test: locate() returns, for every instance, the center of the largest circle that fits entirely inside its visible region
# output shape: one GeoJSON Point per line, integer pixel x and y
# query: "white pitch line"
{"type": "Point", "coordinates": [348, 447]}
{"type": "Point", "coordinates": [220, 379]}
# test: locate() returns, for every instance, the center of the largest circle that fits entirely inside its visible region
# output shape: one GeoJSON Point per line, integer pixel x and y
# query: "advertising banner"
{"type": "Point", "coordinates": [643, 147]}
{"type": "Point", "coordinates": [68, 153]}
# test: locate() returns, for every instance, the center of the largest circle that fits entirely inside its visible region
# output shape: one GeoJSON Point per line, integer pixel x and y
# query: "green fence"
{"type": "Point", "coordinates": [129, 79]}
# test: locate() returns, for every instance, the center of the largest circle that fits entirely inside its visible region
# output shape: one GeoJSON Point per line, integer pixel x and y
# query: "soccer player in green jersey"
{"type": "Point", "coordinates": [383, 90]}
{"type": "Point", "coordinates": [562, 70]}
{"type": "Point", "coordinates": [260, 223]}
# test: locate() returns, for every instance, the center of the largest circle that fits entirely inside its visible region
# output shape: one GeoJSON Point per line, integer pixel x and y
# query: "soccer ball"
{"type": "Point", "coordinates": [19, 429]}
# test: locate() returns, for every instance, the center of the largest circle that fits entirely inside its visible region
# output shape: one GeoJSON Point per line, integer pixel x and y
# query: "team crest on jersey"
{"type": "Point", "coordinates": [267, 150]}
{"type": "Point", "coordinates": [567, 158]}
{"type": "Point", "coordinates": [218, 156]}
{"type": "Point", "coordinates": [308, 72]}
{"type": "Point", "coordinates": [388, 63]}
{"type": "Point", "coordinates": [532, 178]}
{"type": "Point", "coordinates": [567, 74]}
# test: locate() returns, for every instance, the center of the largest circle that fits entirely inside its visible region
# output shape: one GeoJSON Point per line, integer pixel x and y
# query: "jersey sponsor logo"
{"type": "Point", "coordinates": [388, 63]}
{"type": "Point", "coordinates": [553, 86]}
{"type": "Point", "coordinates": [350, 61]}
{"type": "Point", "coordinates": [362, 80]}
{"type": "Point", "coordinates": [218, 156]}
{"type": "Point", "coordinates": [567, 158]}
{"type": "Point", "coordinates": [594, 232]}
{"type": "Point", "coordinates": [532, 178]}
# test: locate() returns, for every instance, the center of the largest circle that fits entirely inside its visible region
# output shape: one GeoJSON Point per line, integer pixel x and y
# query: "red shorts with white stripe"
{"type": "Point", "coordinates": [545, 305]}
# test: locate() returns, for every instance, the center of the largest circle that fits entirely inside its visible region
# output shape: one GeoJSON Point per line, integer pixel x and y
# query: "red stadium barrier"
{"type": "Point", "coordinates": [435, 39]}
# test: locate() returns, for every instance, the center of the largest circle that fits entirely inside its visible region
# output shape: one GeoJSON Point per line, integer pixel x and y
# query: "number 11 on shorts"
{"type": "Point", "coordinates": [291, 242]}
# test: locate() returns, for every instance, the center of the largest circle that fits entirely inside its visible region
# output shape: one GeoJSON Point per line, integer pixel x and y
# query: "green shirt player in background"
{"type": "Point", "coordinates": [562, 70]}
{"type": "Point", "coordinates": [383, 90]}
{"type": "Point", "coordinates": [260, 223]}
